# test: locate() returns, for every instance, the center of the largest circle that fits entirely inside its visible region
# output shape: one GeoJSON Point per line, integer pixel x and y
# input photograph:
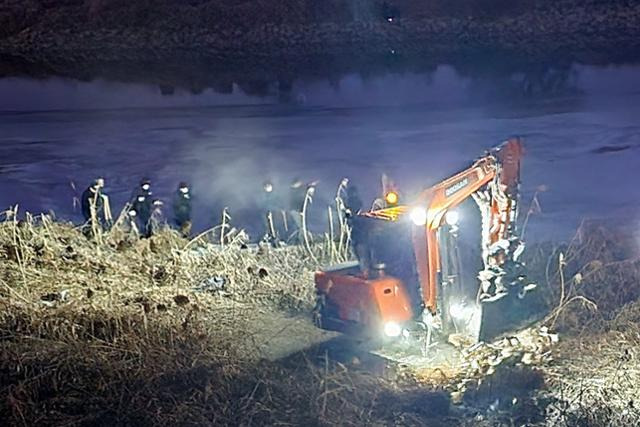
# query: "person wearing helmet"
{"type": "Point", "coordinates": [182, 209]}
{"type": "Point", "coordinates": [271, 214]}
{"type": "Point", "coordinates": [156, 219]}
{"type": "Point", "coordinates": [353, 203]}
{"type": "Point", "coordinates": [145, 187]}
{"type": "Point", "coordinates": [92, 198]}
{"type": "Point", "coordinates": [142, 205]}
{"type": "Point", "coordinates": [96, 210]}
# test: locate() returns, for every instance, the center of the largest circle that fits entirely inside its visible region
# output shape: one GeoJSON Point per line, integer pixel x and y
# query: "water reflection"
{"type": "Point", "coordinates": [580, 124]}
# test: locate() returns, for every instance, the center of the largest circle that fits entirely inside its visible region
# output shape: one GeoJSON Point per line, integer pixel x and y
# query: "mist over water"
{"type": "Point", "coordinates": [580, 127]}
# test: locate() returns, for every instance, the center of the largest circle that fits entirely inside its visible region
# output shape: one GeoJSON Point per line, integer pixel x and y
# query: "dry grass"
{"type": "Point", "coordinates": [124, 332]}
{"type": "Point", "coordinates": [586, 282]}
{"type": "Point", "coordinates": [592, 288]}
{"type": "Point", "coordinates": [594, 381]}
{"type": "Point", "coordinates": [118, 333]}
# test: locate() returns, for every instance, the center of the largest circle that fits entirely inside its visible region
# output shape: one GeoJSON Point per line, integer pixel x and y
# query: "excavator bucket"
{"type": "Point", "coordinates": [484, 306]}
{"type": "Point", "coordinates": [473, 322]}
{"type": "Point", "coordinates": [467, 323]}
{"type": "Point", "coordinates": [506, 315]}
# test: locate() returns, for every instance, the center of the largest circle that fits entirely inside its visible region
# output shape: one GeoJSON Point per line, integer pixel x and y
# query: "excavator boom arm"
{"type": "Point", "coordinates": [383, 296]}
{"type": "Point", "coordinates": [499, 173]}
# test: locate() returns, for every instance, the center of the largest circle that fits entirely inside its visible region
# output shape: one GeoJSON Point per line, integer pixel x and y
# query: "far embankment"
{"type": "Point", "coordinates": [212, 44]}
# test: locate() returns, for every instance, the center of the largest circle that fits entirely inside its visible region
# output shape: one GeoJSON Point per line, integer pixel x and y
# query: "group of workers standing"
{"type": "Point", "coordinates": [283, 214]}
{"type": "Point", "coordinates": [143, 212]}
{"type": "Point", "coordinates": [284, 218]}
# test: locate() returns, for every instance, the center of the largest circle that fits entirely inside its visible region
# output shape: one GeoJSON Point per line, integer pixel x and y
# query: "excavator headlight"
{"type": "Point", "coordinates": [418, 216]}
{"type": "Point", "coordinates": [452, 218]}
{"type": "Point", "coordinates": [392, 329]}
{"type": "Point", "coordinates": [461, 311]}
{"type": "Point", "coordinates": [391, 198]}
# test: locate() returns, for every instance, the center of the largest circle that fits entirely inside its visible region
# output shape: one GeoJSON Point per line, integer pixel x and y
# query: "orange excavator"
{"type": "Point", "coordinates": [408, 274]}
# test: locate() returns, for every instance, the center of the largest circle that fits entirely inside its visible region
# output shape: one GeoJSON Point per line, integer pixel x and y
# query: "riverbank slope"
{"type": "Point", "coordinates": [266, 42]}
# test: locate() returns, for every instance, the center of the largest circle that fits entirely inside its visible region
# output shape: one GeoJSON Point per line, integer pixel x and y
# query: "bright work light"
{"type": "Point", "coordinates": [418, 216]}
{"type": "Point", "coordinates": [391, 197]}
{"type": "Point", "coordinates": [392, 329]}
{"type": "Point", "coordinates": [452, 218]}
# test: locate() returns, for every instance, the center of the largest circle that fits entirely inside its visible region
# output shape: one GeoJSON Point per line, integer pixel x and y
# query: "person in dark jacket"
{"type": "Point", "coordinates": [182, 209]}
{"type": "Point", "coordinates": [360, 244]}
{"type": "Point", "coordinates": [156, 219]}
{"type": "Point", "coordinates": [271, 214]}
{"type": "Point", "coordinates": [353, 204]}
{"type": "Point", "coordinates": [96, 210]}
{"type": "Point", "coordinates": [145, 187]}
{"type": "Point", "coordinates": [142, 205]}
{"type": "Point", "coordinates": [92, 197]}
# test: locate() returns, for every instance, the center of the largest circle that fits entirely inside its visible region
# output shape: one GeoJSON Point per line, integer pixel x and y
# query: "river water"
{"type": "Point", "coordinates": [582, 140]}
